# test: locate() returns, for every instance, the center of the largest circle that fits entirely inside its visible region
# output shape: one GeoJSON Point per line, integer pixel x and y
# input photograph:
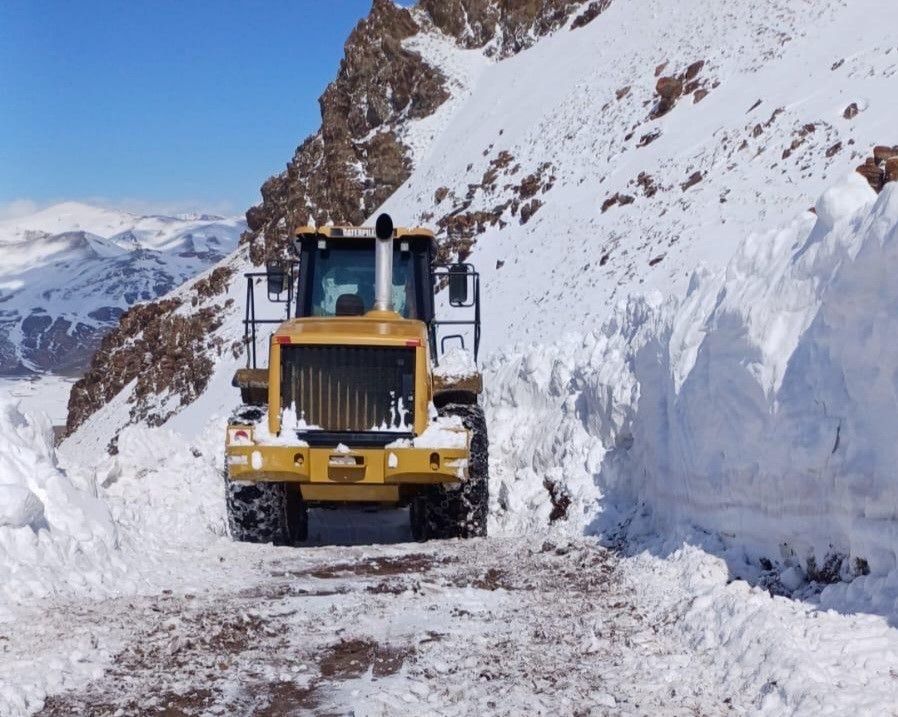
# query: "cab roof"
{"type": "Point", "coordinates": [344, 231]}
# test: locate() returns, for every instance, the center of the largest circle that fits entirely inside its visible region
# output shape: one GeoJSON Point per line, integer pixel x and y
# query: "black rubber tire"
{"type": "Point", "coordinates": [460, 512]}
{"type": "Point", "coordinates": [416, 513]}
{"type": "Point", "coordinates": [266, 513]}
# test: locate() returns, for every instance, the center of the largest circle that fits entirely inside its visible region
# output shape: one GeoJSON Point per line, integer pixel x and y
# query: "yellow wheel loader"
{"type": "Point", "coordinates": [352, 406]}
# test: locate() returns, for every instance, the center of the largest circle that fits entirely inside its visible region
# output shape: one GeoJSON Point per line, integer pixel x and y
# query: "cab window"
{"type": "Point", "coordinates": [349, 273]}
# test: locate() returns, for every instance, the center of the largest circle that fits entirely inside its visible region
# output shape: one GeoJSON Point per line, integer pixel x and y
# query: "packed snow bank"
{"type": "Point", "coordinates": [165, 490]}
{"type": "Point", "coordinates": [760, 407]}
{"type": "Point", "coordinates": [55, 533]}
{"type": "Point", "coordinates": [110, 528]}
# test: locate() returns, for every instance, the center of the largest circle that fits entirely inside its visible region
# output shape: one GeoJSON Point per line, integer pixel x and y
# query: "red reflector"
{"type": "Point", "coordinates": [241, 435]}
{"type": "Point", "coordinates": [282, 339]}
{"type": "Point", "coordinates": [413, 342]}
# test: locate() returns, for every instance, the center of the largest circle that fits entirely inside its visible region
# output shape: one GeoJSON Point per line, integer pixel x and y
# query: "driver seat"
{"type": "Point", "coordinates": [349, 305]}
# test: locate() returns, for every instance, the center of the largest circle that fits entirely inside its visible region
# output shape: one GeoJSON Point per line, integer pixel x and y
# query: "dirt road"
{"type": "Point", "coordinates": [485, 627]}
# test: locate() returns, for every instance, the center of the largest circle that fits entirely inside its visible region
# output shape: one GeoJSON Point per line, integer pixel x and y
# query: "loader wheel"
{"type": "Point", "coordinates": [461, 512]}
{"type": "Point", "coordinates": [417, 510]}
{"type": "Point", "coordinates": [266, 513]}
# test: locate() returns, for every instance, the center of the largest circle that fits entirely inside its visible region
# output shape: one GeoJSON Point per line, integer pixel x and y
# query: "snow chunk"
{"type": "Point", "coordinates": [456, 363]}
{"type": "Point", "coordinates": [444, 432]}
{"type": "Point", "coordinates": [844, 199]}
{"type": "Point", "coordinates": [19, 507]}
{"type": "Point", "coordinates": [290, 424]}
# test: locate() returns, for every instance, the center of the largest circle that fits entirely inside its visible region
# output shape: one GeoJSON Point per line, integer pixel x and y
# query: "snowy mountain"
{"type": "Point", "coordinates": [70, 271]}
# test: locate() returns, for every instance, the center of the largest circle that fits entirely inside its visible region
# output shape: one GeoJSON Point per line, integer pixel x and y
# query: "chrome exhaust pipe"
{"type": "Point", "coordinates": [383, 264]}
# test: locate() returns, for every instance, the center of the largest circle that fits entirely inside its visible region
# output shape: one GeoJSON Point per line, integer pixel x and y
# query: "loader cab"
{"type": "Point", "coordinates": [333, 275]}
{"type": "Point", "coordinates": [337, 274]}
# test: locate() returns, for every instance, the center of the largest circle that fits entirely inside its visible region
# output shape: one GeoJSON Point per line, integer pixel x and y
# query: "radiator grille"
{"type": "Point", "coordinates": [350, 388]}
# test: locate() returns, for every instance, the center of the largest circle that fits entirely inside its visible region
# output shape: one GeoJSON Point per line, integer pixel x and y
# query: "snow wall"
{"type": "Point", "coordinates": [114, 528]}
{"type": "Point", "coordinates": [54, 530]}
{"type": "Point", "coordinates": [761, 407]}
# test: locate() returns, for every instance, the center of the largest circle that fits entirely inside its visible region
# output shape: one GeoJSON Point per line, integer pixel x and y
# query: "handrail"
{"type": "Point", "coordinates": [250, 322]}
{"type": "Point", "coordinates": [445, 270]}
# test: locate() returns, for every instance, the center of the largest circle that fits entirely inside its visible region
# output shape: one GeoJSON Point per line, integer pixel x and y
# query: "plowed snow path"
{"type": "Point", "coordinates": [485, 627]}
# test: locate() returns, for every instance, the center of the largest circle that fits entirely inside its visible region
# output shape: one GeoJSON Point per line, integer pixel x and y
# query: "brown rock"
{"type": "Point", "coordinates": [882, 153]}
{"type": "Point", "coordinates": [440, 194]}
{"type": "Point", "coordinates": [517, 23]}
{"type": "Point", "coordinates": [851, 111]}
{"type": "Point", "coordinates": [647, 182]}
{"type": "Point", "coordinates": [620, 199]}
{"type": "Point", "coordinates": [529, 209]}
{"type": "Point", "coordinates": [694, 179]}
{"type": "Point", "coordinates": [700, 94]}
{"type": "Point", "coordinates": [834, 150]}
{"type": "Point", "coordinates": [255, 218]}
{"type": "Point", "coordinates": [871, 171]}
{"type": "Point", "coordinates": [591, 13]}
{"type": "Point", "coordinates": [693, 70]}
{"type": "Point", "coordinates": [660, 68]}
{"type": "Point", "coordinates": [647, 139]}
{"type": "Point", "coordinates": [669, 90]}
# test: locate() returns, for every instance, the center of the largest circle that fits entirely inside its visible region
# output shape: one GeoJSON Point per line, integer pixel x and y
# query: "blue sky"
{"type": "Point", "coordinates": [160, 105]}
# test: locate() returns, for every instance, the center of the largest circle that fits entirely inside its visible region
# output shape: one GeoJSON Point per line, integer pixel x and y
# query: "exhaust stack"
{"type": "Point", "coordinates": [383, 264]}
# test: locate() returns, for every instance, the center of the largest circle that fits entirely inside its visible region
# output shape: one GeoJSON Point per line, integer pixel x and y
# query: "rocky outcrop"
{"type": "Point", "coordinates": [672, 88]}
{"type": "Point", "coordinates": [357, 159]}
{"type": "Point", "coordinates": [162, 350]}
{"type": "Point", "coordinates": [593, 10]}
{"type": "Point", "coordinates": [505, 27]}
{"type": "Point", "coordinates": [881, 168]}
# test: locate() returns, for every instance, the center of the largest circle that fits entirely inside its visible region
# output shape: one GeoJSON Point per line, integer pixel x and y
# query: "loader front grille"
{"type": "Point", "coordinates": [350, 388]}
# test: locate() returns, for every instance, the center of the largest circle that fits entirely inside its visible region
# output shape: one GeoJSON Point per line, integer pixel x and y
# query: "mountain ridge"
{"type": "Point", "coordinates": [70, 270]}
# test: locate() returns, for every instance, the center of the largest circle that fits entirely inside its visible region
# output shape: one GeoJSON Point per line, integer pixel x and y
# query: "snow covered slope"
{"type": "Point", "coordinates": [581, 183]}
{"type": "Point", "coordinates": [68, 272]}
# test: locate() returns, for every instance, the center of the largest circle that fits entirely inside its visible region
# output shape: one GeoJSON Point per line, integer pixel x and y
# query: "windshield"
{"type": "Point", "coordinates": [346, 275]}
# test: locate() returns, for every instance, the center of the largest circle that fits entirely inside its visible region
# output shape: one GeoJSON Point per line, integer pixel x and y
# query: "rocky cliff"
{"type": "Point", "coordinates": [357, 159]}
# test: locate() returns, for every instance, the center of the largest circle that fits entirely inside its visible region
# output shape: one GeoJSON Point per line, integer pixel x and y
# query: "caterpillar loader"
{"type": "Point", "coordinates": [352, 406]}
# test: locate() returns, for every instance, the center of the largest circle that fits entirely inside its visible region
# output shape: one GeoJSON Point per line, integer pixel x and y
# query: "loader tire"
{"type": "Point", "coordinates": [266, 513]}
{"type": "Point", "coordinates": [443, 512]}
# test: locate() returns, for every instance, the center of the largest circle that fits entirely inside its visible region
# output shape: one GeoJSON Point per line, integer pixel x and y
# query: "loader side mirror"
{"type": "Point", "coordinates": [458, 284]}
{"type": "Point", "coordinates": [276, 276]}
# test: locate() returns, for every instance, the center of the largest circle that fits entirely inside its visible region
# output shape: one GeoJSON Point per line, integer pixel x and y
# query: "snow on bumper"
{"type": "Point", "coordinates": [391, 466]}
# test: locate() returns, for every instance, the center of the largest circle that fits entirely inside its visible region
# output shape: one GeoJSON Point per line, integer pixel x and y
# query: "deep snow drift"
{"type": "Point", "coordinates": [758, 407]}
{"type": "Point", "coordinates": [54, 531]}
